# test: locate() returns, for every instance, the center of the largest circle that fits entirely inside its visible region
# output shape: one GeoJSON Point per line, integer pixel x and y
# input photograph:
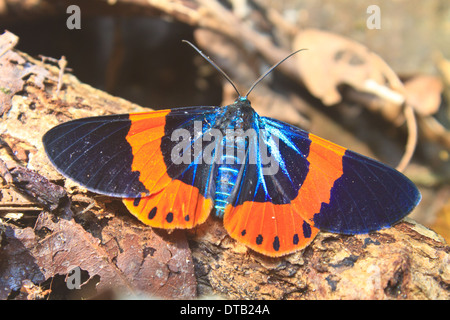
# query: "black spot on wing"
{"type": "Point", "coordinates": [169, 217]}
{"type": "Point", "coordinates": [152, 213]}
{"type": "Point", "coordinates": [276, 243]}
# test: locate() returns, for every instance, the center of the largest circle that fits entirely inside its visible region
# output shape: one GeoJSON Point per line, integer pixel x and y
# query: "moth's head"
{"type": "Point", "coordinates": [242, 100]}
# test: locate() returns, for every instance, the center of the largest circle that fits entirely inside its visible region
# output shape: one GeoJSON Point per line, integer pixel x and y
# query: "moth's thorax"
{"type": "Point", "coordinates": [239, 115]}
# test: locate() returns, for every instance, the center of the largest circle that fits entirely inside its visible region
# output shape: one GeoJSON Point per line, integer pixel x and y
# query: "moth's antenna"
{"type": "Point", "coordinates": [214, 65]}
{"type": "Point", "coordinates": [269, 71]}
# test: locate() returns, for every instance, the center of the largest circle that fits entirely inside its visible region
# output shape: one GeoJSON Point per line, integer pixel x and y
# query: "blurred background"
{"type": "Point", "coordinates": [375, 77]}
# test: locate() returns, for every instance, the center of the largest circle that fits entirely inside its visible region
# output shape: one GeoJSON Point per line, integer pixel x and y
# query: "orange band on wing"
{"type": "Point", "coordinates": [144, 136]}
{"type": "Point", "coordinates": [267, 228]}
{"type": "Point", "coordinates": [325, 167]}
{"type": "Point", "coordinates": [177, 206]}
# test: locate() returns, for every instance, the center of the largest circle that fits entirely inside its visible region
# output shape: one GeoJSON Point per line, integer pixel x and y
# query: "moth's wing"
{"type": "Point", "coordinates": [327, 186]}
{"type": "Point", "coordinates": [95, 152]}
{"type": "Point", "coordinates": [346, 192]}
{"type": "Point", "coordinates": [186, 200]}
{"type": "Point", "coordinates": [129, 156]}
{"type": "Point", "coordinates": [261, 215]}
{"type": "Point", "coordinates": [177, 206]}
{"type": "Point", "coordinates": [271, 229]}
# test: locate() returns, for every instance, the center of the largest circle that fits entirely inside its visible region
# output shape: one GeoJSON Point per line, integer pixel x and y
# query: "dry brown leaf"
{"type": "Point", "coordinates": [333, 60]}
{"type": "Point", "coordinates": [423, 93]}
